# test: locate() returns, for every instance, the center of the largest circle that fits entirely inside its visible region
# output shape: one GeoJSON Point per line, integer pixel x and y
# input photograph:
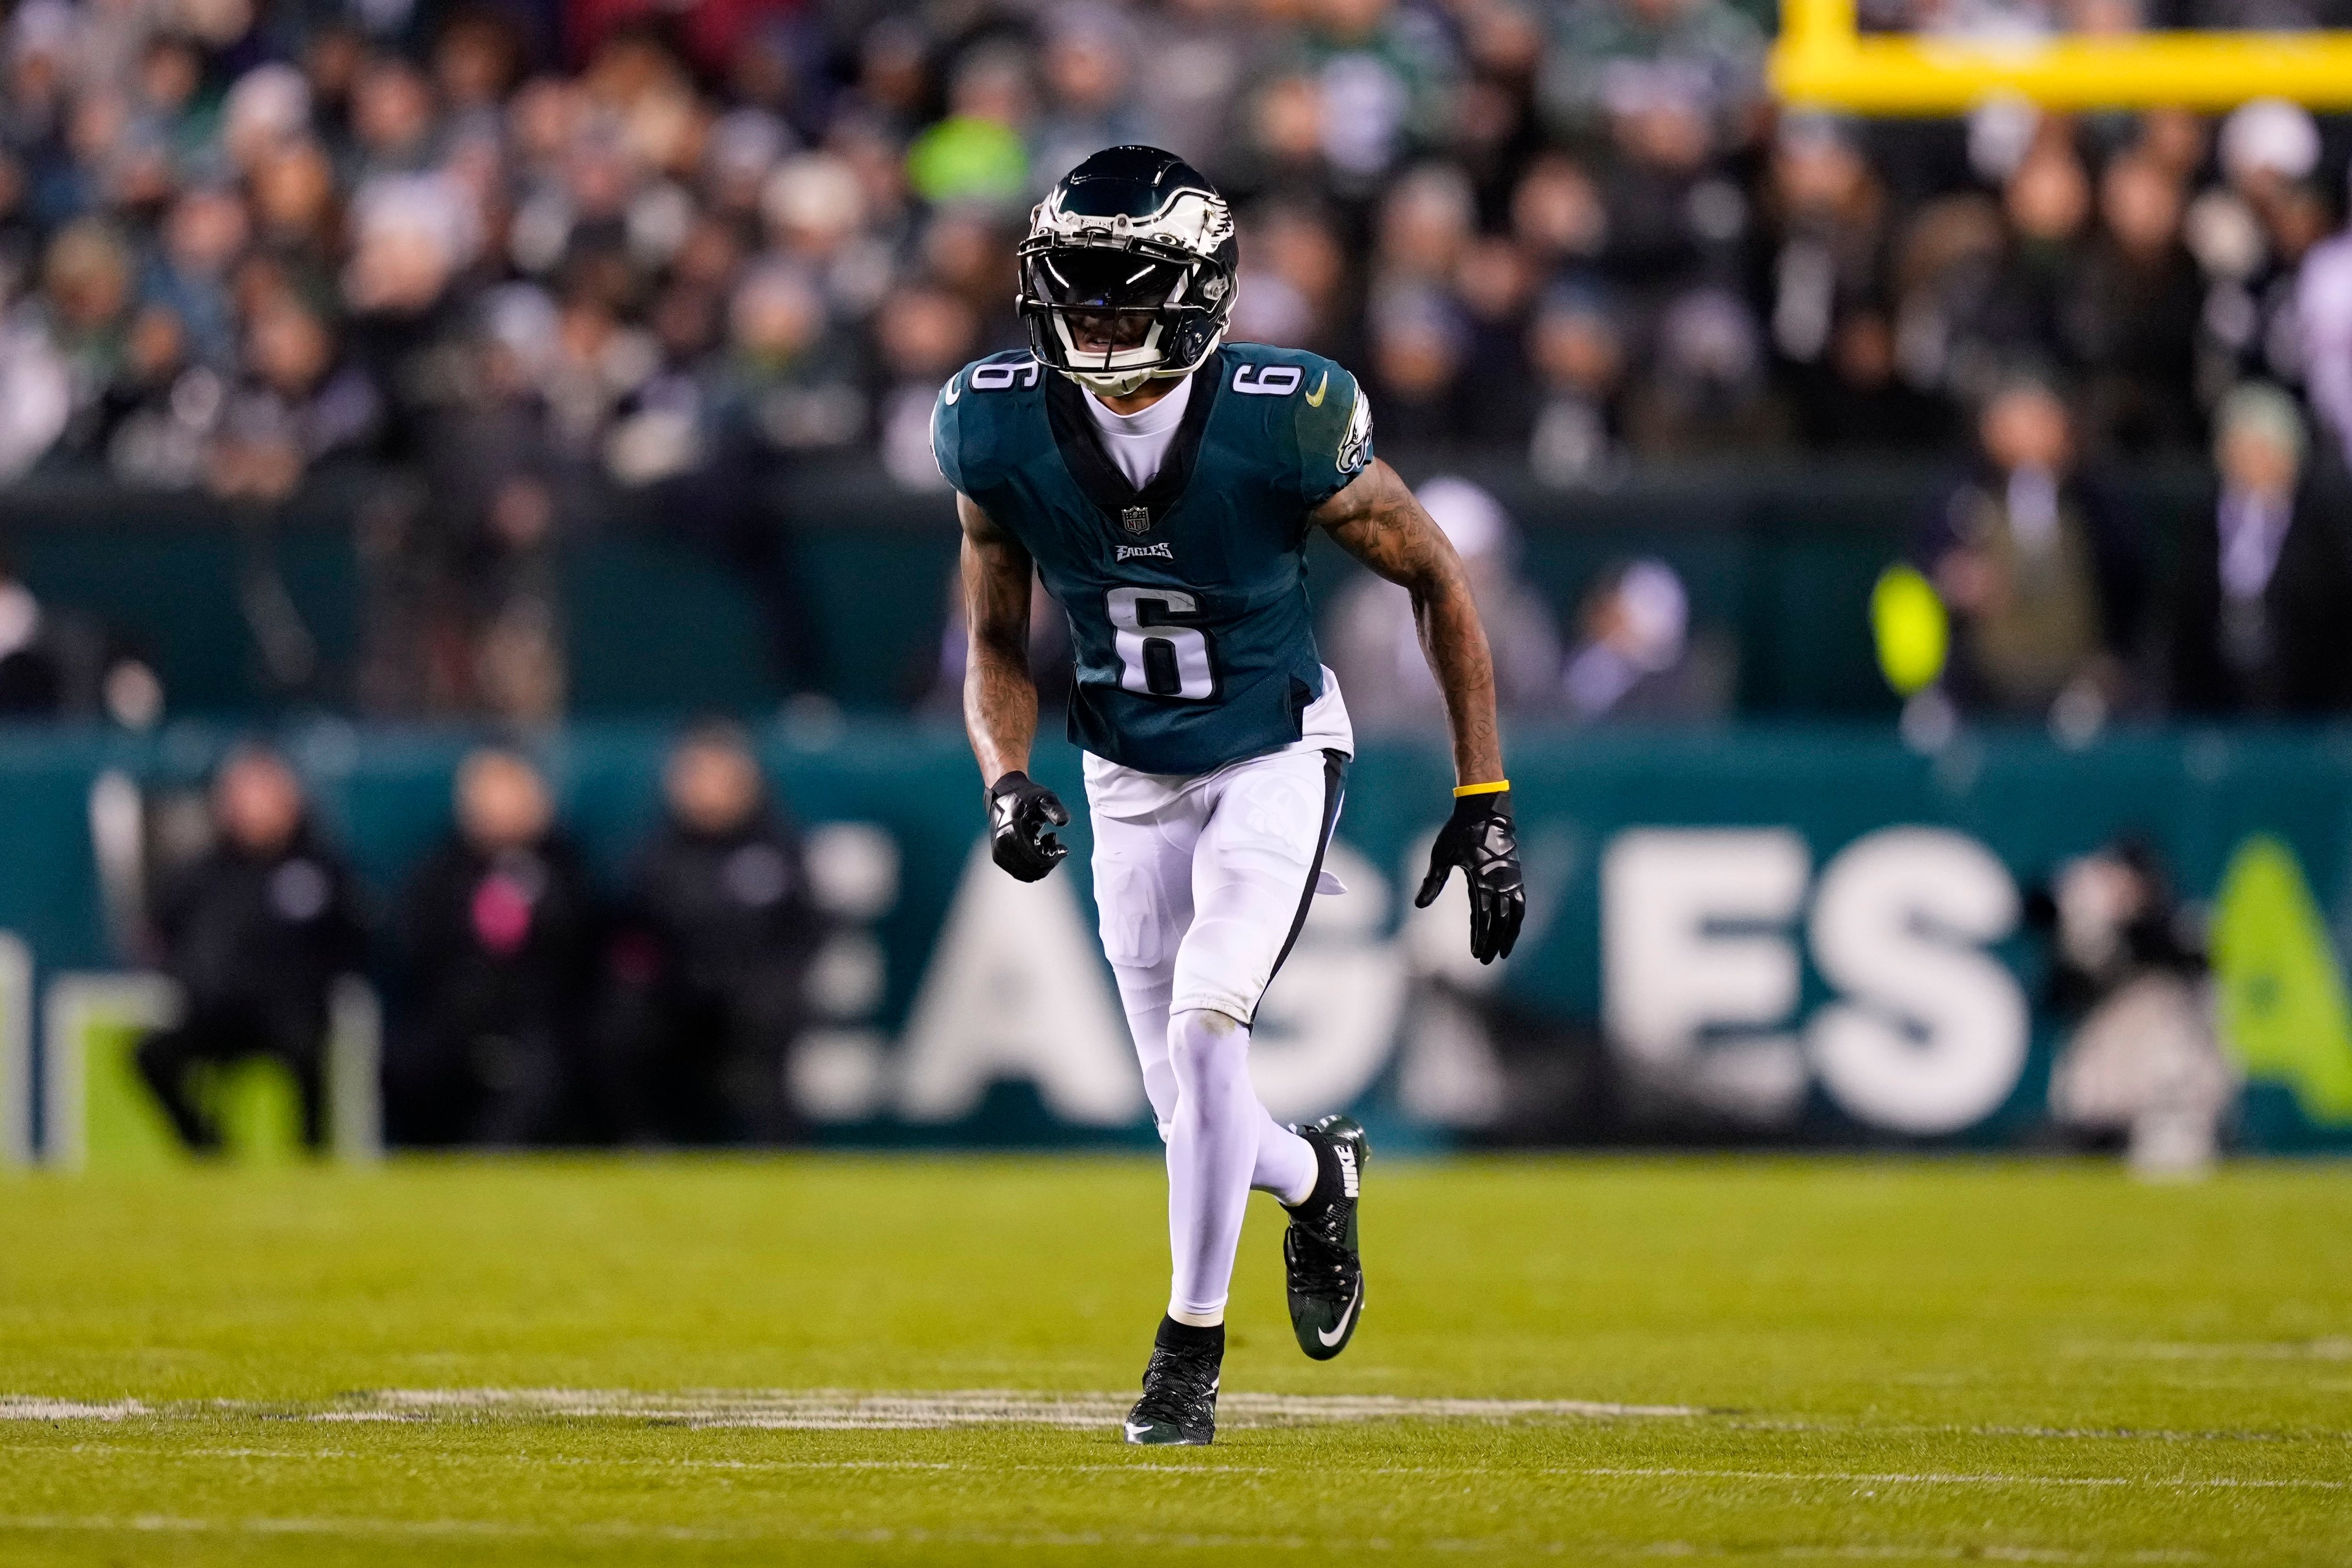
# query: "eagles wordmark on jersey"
{"type": "Point", "coordinates": [1187, 599]}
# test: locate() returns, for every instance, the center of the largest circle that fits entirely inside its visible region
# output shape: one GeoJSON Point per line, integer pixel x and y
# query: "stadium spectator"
{"type": "Point", "coordinates": [1425, 225]}
{"type": "Point", "coordinates": [293, 407]}
{"type": "Point", "coordinates": [203, 236]}
{"type": "Point", "coordinates": [1194, 55]}
{"type": "Point", "coordinates": [498, 938]}
{"type": "Point", "coordinates": [1859, 400]}
{"type": "Point", "coordinates": [1419, 348]}
{"type": "Point", "coordinates": [1577, 352]}
{"type": "Point", "coordinates": [978, 153]}
{"type": "Point", "coordinates": [256, 932]}
{"type": "Point", "coordinates": [1636, 657]}
{"type": "Point", "coordinates": [1558, 216]}
{"type": "Point", "coordinates": [1673, 80]}
{"type": "Point", "coordinates": [786, 385]}
{"type": "Point", "coordinates": [32, 672]}
{"type": "Point", "coordinates": [1704, 387]}
{"type": "Point", "coordinates": [2263, 586]}
{"type": "Point", "coordinates": [2048, 203]}
{"type": "Point", "coordinates": [1294, 280]}
{"type": "Point", "coordinates": [1830, 214]}
{"type": "Point", "coordinates": [87, 300]}
{"type": "Point", "coordinates": [512, 617]}
{"type": "Point", "coordinates": [925, 333]}
{"type": "Point", "coordinates": [2042, 581]}
{"type": "Point", "coordinates": [1087, 66]}
{"type": "Point", "coordinates": [1374, 645]}
{"type": "Point", "coordinates": [711, 962]}
{"type": "Point", "coordinates": [59, 662]}
{"type": "Point", "coordinates": [1831, 332]}
{"type": "Point", "coordinates": [1495, 286]}
{"type": "Point", "coordinates": [2322, 350]}
{"type": "Point", "coordinates": [2131, 320]}
{"type": "Point", "coordinates": [1372, 78]}
{"type": "Point", "coordinates": [941, 683]}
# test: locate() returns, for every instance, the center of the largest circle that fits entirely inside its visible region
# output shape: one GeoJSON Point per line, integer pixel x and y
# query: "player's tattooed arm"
{"type": "Point", "coordinates": [1000, 699]}
{"type": "Point", "coordinates": [1376, 519]}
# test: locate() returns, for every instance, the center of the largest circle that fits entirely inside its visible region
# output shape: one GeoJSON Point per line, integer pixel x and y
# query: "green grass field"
{"type": "Point", "coordinates": [1892, 1362]}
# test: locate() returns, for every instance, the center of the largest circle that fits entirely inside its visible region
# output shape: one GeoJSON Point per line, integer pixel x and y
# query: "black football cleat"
{"type": "Point", "coordinates": [1327, 1275]}
{"type": "Point", "coordinates": [1179, 1408]}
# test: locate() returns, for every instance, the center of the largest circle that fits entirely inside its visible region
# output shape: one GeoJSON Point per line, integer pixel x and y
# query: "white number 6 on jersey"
{"type": "Point", "coordinates": [1267, 380]}
{"type": "Point", "coordinates": [997, 378]}
{"type": "Point", "coordinates": [1155, 658]}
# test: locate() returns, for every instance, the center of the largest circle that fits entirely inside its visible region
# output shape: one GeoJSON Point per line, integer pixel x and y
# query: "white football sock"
{"type": "Point", "coordinates": [1286, 1165]}
{"type": "Point", "coordinates": [1145, 997]}
{"type": "Point", "coordinates": [1221, 1143]}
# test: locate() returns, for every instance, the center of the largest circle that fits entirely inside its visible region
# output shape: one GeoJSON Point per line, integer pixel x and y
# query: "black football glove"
{"type": "Point", "coordinates": [1021, 816]}
{"type": "Point", "coordinates": [1478, 838]}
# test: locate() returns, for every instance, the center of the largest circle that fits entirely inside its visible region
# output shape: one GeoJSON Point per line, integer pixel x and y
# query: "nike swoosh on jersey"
{"type": "Point", "coordinates": [1315, 398]}
{"type": "Point", "coordinates": [1339, 1331]}
{"type": "Point", "coordinates": [955, 387]}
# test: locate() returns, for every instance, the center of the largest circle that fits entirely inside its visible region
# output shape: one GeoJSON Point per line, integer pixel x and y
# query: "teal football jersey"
{"type": "Point", "coordinates": [1189, 620]}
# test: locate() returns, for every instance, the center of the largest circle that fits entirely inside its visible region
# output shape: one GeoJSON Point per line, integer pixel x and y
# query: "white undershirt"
{"type": "Point", "coordinates": [1139, 442]}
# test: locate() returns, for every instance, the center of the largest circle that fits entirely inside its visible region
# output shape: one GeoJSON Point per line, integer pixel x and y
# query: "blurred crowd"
{"type": "Point", "coordinates": [502, 241]}
{"type": "Point", "coordinates": [2041, 593]}
{"type": "Point", "coordinates": [500, 257]}
{"type": "Point", "coordinates": [527, 1003]}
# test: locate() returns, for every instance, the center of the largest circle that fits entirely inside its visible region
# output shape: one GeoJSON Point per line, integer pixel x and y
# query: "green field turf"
{"type": "Point", "coordinates": [1889, 1363]}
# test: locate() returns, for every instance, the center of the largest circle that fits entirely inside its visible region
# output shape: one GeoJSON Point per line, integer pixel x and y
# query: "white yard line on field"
{"type": "Point", "coordinates": [835, 1409]}
{"type": "Point", "coordinates": [2335, 1347]}
{"type": "Point", "coordinates": [1935, 1478]}
{"type": "Point", "coordinates": [842, 1409]}
{"type": "Point", "coordinates": [1855, 1428]}
{"type": "Point", "coordinates": [1985, 1554]}
{"type": "Point", "coordinates": [26, 1407]}
{"type": "Point", "coordinates": [1595, 1472]}
{"type": "Point", "coordinates": [621, 1533]}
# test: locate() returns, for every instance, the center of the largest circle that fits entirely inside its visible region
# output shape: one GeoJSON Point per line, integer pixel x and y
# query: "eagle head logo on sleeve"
{"type": "Point", "coordinates": [1356, 445]}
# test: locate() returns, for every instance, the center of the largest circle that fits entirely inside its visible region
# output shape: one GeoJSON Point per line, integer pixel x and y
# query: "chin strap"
{"type": "Point", "coordinates": [1111, 384]}
{"type": "Point", "coordinates": [1118, 383]}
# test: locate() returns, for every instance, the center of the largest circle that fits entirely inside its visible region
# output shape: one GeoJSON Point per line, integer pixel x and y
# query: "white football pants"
{"type": "Point", "coordinates": [1201, 900]}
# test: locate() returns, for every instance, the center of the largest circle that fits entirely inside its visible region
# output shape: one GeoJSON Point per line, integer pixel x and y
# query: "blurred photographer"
{"type": "Point", "coordinates": [710, 967]}
{"type": "Point", "coordinates": [256, 932]}
{"type": "Point", "coordinates": [498, 937]}
{"type": "Point", "coordinates": [2141, 1066]}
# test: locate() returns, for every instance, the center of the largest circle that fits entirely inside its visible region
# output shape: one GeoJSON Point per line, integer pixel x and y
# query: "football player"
{"type": "Point", "coordinates": [1161, 482]}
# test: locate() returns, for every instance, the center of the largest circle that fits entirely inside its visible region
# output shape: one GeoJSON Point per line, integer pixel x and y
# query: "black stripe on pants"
{"type": "Point", "coordinates": [1334, 782]}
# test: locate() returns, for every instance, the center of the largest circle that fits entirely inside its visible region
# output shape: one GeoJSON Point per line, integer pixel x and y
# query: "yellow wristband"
{"type": "Point", "coordinates": [1497, 788]}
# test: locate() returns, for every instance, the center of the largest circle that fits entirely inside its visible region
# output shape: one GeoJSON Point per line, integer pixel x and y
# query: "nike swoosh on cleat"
{"type": "Point", "coordinates": [1315, 398]}
{"type": "Point", "coordinates": [1339, 1331]}
{"type": "Point", "coordinates": [1136, 1429]}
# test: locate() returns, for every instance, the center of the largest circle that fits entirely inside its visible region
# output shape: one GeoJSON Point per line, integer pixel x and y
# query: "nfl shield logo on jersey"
{"type": "Point", "coordinates": [1136, 520]}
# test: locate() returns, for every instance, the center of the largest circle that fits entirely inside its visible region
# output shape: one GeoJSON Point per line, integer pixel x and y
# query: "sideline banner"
{"type": "Point", "coordinates": [1757, 935]}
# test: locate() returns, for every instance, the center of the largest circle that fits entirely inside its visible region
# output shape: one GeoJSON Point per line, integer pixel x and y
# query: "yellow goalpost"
{"type": "Point", "coordinates": [1822, 61]}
